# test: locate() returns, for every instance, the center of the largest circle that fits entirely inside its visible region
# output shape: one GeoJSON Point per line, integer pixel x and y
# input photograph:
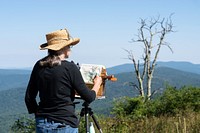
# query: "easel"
{"type": "Point", "coordinates": [87, 111]}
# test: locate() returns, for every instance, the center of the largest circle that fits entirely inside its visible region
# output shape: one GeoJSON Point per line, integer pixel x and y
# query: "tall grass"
{"type": "Point", "coordinates": [187, 123]}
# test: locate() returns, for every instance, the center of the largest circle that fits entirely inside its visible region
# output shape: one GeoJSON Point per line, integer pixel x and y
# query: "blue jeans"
{"type": "Point", "coordinates": [43, 125]}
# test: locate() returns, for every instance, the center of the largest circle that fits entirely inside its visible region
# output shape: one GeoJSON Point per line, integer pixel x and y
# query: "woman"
{"type": "Point", "coordinates": [57, 80]}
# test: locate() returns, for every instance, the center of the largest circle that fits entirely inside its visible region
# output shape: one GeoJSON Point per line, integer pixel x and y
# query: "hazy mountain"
{"type": "Point", "coordinates": [183, 66]}
{"type": "Point", "coordinates": [13, 78]}
{"type": "Point", "coordinates": [14, 71]}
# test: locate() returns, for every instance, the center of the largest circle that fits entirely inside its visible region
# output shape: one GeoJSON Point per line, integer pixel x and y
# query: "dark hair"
{"type": "Point", "coordinates": [52, 59]}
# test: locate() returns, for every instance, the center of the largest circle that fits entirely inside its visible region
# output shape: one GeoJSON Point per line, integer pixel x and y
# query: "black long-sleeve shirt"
{"type": "Point", "coordinates": [56, 86]}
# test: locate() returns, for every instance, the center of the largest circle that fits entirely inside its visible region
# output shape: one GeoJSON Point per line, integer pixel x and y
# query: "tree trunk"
{"type": "Point", "coordinates": [149, 86]}
{"type": "Point", "coordinates": [140, 81]}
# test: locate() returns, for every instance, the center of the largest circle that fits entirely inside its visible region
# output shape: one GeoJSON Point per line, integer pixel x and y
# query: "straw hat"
{"type": "Point", "coordinates": [58, 39]}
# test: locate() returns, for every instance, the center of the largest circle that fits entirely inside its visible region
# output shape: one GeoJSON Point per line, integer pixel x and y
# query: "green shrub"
{"type": "Point", "coordinates": [23, 125]}
{"type": "Point", "coordinates": [171, 102]}
{"type": "Point", "coordinates": [174, 101]}
{"type": "Point", "coordinates": [130, 107]}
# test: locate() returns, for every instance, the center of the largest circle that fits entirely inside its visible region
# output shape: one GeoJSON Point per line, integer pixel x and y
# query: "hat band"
{"type": "Point", "coordinates": [58, 39]}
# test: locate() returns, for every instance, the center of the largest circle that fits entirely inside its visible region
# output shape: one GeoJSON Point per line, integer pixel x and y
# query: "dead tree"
{"type": "Point", "coordinates": [151, 35]}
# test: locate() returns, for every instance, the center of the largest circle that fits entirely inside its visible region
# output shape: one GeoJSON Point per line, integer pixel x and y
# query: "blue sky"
{"type": "Point", "coordinates": [104, 27]}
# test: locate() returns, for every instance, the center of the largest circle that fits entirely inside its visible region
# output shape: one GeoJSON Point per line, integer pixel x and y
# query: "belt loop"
{"type": "Point", "coordinates": [45, 120]}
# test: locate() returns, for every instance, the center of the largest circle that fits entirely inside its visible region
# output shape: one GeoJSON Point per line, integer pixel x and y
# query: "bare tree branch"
{"type": "Point", "coordinates": [151, 34]}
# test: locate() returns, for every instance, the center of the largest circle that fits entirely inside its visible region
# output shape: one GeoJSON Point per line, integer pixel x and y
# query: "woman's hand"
{"type": "Point", "coordinates": [97, 84]}
{"type": "Point", "coordinates": [97, 80]}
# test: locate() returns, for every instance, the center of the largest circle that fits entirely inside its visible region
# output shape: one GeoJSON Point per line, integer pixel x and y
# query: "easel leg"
{"type": "Point", "coordinates": [87, 111]}
{"type": "Point", "coordinates": [96, 123]}
{"type": "Point", "coordinates": [87, 123]}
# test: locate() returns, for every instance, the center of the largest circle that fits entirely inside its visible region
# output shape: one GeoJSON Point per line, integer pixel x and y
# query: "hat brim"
{"type": "Point", "coordinates": [61, 44]}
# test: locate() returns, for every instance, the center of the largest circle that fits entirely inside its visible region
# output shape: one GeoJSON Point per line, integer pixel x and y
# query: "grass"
{"type": "Point", "coordinates": [183, 123]}
{"type": "Point", "coordinates": [187, 122]}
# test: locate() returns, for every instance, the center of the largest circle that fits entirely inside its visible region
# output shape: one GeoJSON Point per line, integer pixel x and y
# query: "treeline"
{"type": "Point", "coordinates": [175, 110]}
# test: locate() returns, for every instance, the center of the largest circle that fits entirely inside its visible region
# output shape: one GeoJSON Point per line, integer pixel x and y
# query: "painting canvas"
{"type": "Point", "coordinates": [88, 72]}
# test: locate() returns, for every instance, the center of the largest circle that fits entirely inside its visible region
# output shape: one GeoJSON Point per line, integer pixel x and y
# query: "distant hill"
{"type": "Point", "coordinates": [14, 71]}
{"type": "Point", "coordinates": [183, 66]}
{"type": "Point", "coordinates": [14, 78]}
{"type": "Point", "coordinates": [11, 78]}
{"type": "Point", "coordinates": [12, 106]}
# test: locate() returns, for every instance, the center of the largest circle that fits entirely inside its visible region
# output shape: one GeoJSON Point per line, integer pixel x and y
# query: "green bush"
{"type": "Point", "coordinates": [130, 107]}
{"type": "Point", "coordinates": [174, 101]}
{"type": "Point", "coordinates": [171, 102]}
{"type": "Point", "coordinates": [23, 125]}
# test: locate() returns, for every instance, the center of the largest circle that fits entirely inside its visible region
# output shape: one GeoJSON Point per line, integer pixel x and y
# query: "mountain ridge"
{"type": "Point", "coordinates": [184, 66]}
{"type": "Point", "coordinates": [12, 78]}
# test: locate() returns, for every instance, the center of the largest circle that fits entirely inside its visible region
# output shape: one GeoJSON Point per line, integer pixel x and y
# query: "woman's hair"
{"type": "Point", "coordinates": [52, 59]}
